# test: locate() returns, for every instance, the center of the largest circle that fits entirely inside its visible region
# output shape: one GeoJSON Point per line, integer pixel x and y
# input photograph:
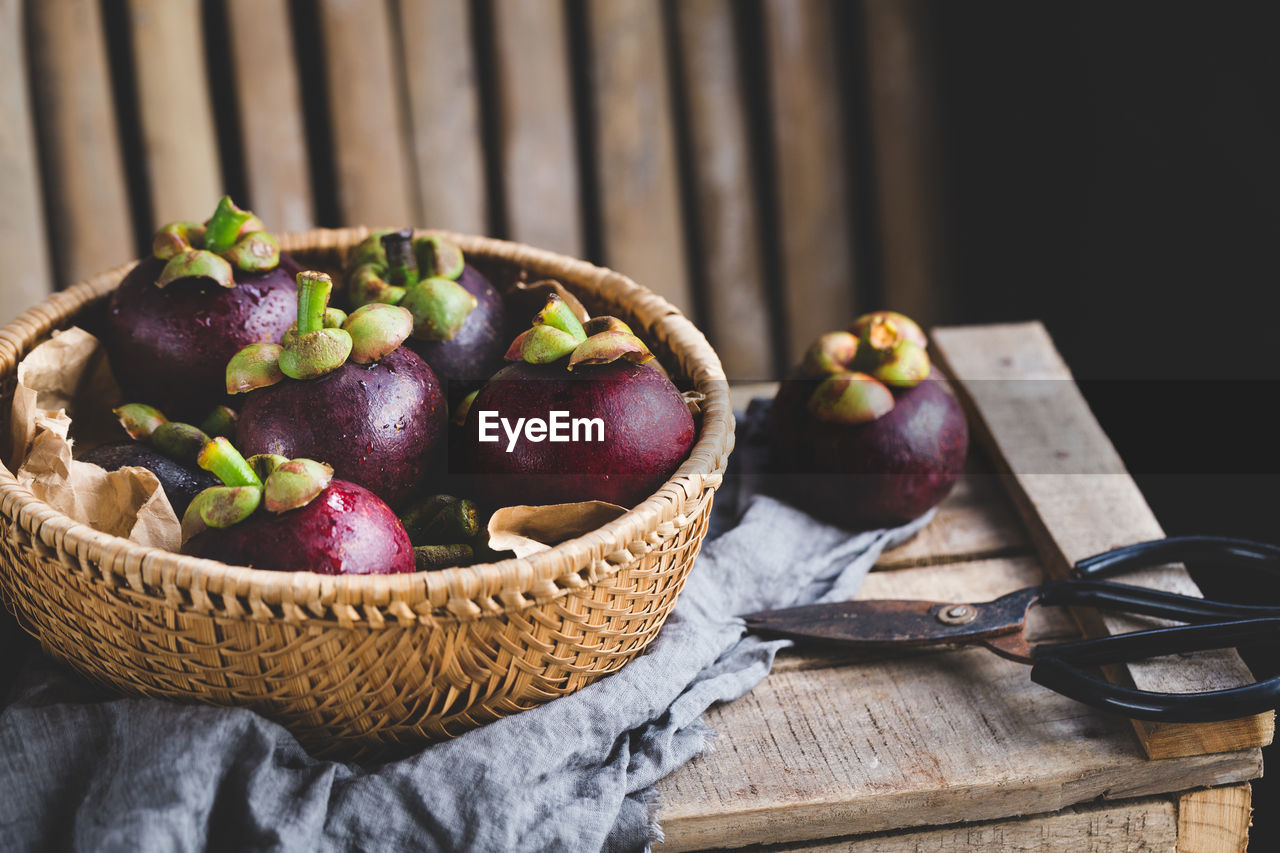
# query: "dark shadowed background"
{"type": "Point", "coordinates": [773, 167]}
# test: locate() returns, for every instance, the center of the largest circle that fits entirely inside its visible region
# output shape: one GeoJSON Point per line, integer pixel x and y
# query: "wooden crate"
{"type": "Point", "coordinates": [959, 750]}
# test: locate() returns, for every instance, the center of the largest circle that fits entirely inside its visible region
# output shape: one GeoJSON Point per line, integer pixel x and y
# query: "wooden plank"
{"type": "Point", "coordinates": [902, 111]}
{"type": "Point", "coordinates": [1070, 486]}
{"type": "Point", "coordinates": [180, 144]}
{"type": "Point", "coordinates": [812, 158]}
{"type": "Point", "coordinates": [1143, 825]}
{"type": "Point", "coordinates": [444, 112]}
{"type": "Point", "coordinates": [374, 181]}
{"type": "Point", "coordinates": [1215, 820]}
{"type": "Point", "coordinates": [819, 750]}
{"type": "Point", "coordinates": [642, 232]}
{"type": "Point", "coordinates": [534, 130]}
{"type": "Point", "coordinates": [976, 521]}
{"type": "Point", "coordinates": [269, 102]}
{"type": "Point", "coordinates": [87, 202]}
{"type": "Point", "coordinates": [725, 219]}
{"type": "Point", "coordinates": [23, 252]}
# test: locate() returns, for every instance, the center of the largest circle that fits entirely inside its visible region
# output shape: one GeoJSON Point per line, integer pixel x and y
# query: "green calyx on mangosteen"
{"type": "Point", "coordinates": [291, 515]}
{"type": "Point", "coordinates": [861, 435]}
{"type": "Point", "coordinates": [594, 371]}
{"type": "Point", "coordinates": [341, 387]}
{"type": "Point", "coordinates": [458, 316]}
{"type": "Point", "coordinates": [206, 291]}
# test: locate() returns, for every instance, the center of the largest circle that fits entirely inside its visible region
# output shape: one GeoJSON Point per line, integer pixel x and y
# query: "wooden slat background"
{"type": "Point", "coordinates": [716, 151]}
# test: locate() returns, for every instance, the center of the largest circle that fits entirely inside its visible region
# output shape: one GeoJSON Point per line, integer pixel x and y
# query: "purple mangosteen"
{"type": "Point", "coordinates": [458, 316]}
{"type": "Point", "coordinates": [291, 515]}
{"type": "Point", "coordinates": [624, 426]}
{"type": "Point", "coordinates": [342, 389]}
{"type": "Point", "coordinates": [860, 435]}
{"type": "Point", "coordinates": [207, 291]}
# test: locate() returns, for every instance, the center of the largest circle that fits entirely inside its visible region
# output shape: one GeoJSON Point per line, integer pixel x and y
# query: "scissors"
{"type": "Point", "coordinates": [1066, 667]}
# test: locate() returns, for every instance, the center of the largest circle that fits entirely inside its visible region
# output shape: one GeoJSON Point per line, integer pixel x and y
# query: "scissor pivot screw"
{"type": "Point", "coordinates": [957, 614]}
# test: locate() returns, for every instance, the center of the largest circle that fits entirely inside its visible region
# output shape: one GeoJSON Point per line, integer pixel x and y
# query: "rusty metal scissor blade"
{"type": "Point", "coordinates": [889, 622]}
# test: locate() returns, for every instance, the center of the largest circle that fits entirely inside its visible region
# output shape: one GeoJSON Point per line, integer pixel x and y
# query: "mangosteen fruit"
{"type": "Point", "coordinates": [206, 291]}
{"type": "Point", "coordinates": [342, 389]}
{"type": "Point", "coordinates": [180, 482]}
{"type": "Point", "coordinates": [861, 435]}
{"type": "Point", "coordinates": [580, 414]}
{"type": "Point", "coordinates": [291, 515]}
{"type": "Point", "coordinates": [458, 315]}
{"type": "Point", "coordinates": [166, 448]}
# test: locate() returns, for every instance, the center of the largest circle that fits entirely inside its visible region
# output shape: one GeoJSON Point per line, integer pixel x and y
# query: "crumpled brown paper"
{"type": "Point", "coordinates": [529, 529]}
{"type": "Point", "coordinates": [65, 376]}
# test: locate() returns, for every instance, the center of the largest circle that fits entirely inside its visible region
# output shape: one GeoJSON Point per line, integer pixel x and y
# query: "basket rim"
{"type": "Point", "coordinates": [462, 593]}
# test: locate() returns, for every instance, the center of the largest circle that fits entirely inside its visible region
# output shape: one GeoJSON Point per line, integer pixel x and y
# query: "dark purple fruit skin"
{"type": "Point", "coordinates": [879, 474]}
{"type": "Point", "coordinates": [180, 482]}
{"type": "Point", "coordinates": [381, 425]}
{"type": "Point", "coordinates": [346, 530]}
{"type": "Point", "coordinates": [475, 353]}
{"type": "Point", "coordinates": [648, 432]}
{"type": "Point", "coordinates": [170, 346]}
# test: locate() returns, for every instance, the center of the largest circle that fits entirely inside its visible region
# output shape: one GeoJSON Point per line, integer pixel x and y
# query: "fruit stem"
{"type": "Point", "coordinates": [225, 462]}
{"type": "Point", "coordinates": [402, 264]}
{"type": "Point", "coordinates": [313, 298]}
{"type": "Point", "coordinates": [224, 226]}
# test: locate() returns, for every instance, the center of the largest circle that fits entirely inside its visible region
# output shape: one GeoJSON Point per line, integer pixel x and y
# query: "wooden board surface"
{"type": "Point", "coordinates": [88, 205]}
{"type": "Point", "coordinates": [269, 104]}
{"type": "Point", "coordinates": [444, 111]}
{"type": "Point", "coordinates": [827, 747]}
{"type": "Point", "coordinates": [902, 116]}
{"type": "Point", "coordinates": [27, 277]}
{"type": "Point", "coordinates": [180, 145]}
{"type": "Point", "coordinates": [1146, 825]}
{"type": "Point", "coordinates": [1070, 486]}
{"type": "Point", "coordinates": [538, 157]}
{"type": "Point", "coordinates": [725, 224]}
{"type": "Point", "coordinates": [815, 215]}
{"type": "Point", "coordinates": [371, 157]}
{"type": "Point", "coordinates": [641, 226]}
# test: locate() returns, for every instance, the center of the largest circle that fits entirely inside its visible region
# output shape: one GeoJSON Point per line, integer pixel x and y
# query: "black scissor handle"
{"type": "Point", "coordinates": [1061, 668]}
{"type": "Point", "coordinates": [1108, 595]}
{"type": "Point", "coordinates": [1241, 552]}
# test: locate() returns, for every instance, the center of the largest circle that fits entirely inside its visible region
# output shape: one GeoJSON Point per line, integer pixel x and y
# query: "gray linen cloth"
{"type": "Point", "coordinates": [84, 769]}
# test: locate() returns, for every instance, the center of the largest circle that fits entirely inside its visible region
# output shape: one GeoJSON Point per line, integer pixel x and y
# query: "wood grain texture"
{"type": "Point", "coordinates": [903, 133]}
{"type": "Point", "coordinates": [1076, 499]}
{"type": "Point", "coordinates": [976, 521]}
{"type": "Point", "coordinates": [821, 750]}
{"type": "Point", "coordinates": [724, 215]}
{"type": "Point", "coordinates": [23, 252]}
{"type": "Point", "coordinates": [1146, 825]}
{"type": "Point", "coordinates": [375, 184]}
{"type": "Point", "coordinates": [1215, 820]}
{"type": "Point", "coordinates": [269, 101]}
{"type": "Point", "coordinates": [537, 152]}
{"type": "Point", "coordinates": [642, 230]}
{"type": "Point", "coordinates": [444, 112]}
{"type": "Point", "coordinates": [812, 160]}
{"type": "Point", "coordinates": [87, 202]}
{"type": "Point", "coordinates": [180, 146]}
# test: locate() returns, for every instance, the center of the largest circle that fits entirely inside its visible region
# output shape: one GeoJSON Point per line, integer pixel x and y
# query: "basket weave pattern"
{"type": "Point", "coordinates": [356, 666]}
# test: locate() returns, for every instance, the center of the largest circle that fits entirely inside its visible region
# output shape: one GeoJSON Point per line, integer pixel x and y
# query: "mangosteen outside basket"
{"type": "Point", "coordinates": [369, 666]}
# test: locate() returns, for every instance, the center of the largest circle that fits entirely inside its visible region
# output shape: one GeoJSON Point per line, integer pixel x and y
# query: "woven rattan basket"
{"type": "Point", "coordinates": [367, 666]}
